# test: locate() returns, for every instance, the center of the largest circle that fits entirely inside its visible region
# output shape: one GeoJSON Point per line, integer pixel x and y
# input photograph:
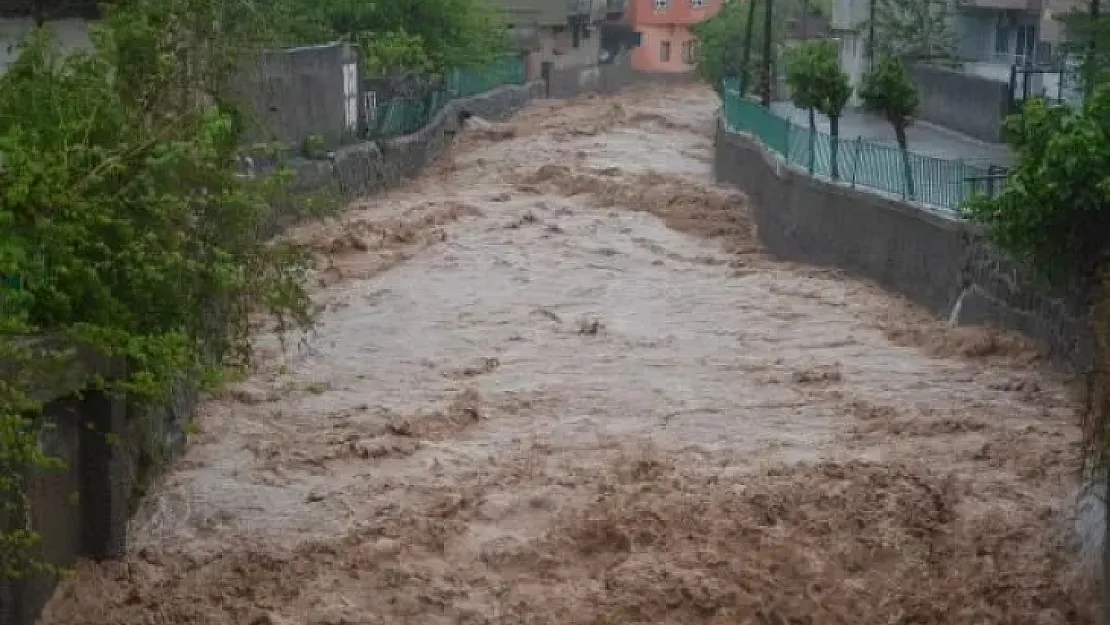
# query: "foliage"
{"type": "Point", "coordinates": [392, 53]}
{"type": "Point", "coordinates": [124, 214]}
{"type": "Point", "coordinates": [1054, 210]}
{"type": "Point", "coordinates": [1089, 41]}
{"type": "Point", "coordinates": [450, 33]}
{"type": "Point", "coordinates": [914, 29]}
{"type": "Point", "coordinates": [889, 90]}
{"type": "Point", "coordinates": [818, 85]}
{"type": "Point", "coordinates": [720, 53]}
{"type": "Point", "coordinates": [1053, 214]}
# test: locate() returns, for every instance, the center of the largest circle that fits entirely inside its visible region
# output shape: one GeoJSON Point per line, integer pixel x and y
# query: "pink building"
{"type": "Point", "coordinates": [666, 43]}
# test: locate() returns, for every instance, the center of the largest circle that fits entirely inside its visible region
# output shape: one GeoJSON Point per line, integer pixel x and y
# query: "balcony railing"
{"type": "Point", "coordinates": [615, 6]}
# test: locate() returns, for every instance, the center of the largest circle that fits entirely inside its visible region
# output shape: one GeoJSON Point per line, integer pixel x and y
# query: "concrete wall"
{"type": "Point", "coordinates": [970, 104]}
{"type": "Point", "coordinates": [72, 36]}
{"type": "Point", "coordinates": [938, 261]}
{"type": "Point", "coordinates": [301, 92]}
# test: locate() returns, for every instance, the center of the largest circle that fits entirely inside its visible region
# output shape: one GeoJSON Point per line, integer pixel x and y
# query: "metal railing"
{"type": "Point", "coordinates": [937, 182]}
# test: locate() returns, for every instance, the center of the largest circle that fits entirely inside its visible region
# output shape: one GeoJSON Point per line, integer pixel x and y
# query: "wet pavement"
{"type": "Point", "coordinates": [924, 138]}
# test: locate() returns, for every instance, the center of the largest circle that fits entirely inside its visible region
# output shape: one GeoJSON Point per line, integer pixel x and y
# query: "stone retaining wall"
{"type": "Point", "coordinates": [935, 259]}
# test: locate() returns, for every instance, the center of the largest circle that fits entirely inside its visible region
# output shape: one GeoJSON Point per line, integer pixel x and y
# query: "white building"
{"type": "Point", "coordinates": [992, 37]}
{"type": "Point", "coordinates": [847, 26]}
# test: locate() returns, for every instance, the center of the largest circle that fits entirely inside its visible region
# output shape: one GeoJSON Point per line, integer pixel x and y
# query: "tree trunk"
{"type": "Point", "coordinates": [745, 71]}
{"type": "Point", "coordinates": [768, 47]}
{"type": "Point", "coordinates": [39, 13]}
{"type": "Point", "coordinates": [812, 139]}
{"type": "Point", "coordinates": [834, 145]}
{"type": "Point", "coordinates": [900, 133]}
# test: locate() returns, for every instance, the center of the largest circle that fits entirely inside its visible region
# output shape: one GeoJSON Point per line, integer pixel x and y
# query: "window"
{"type": "Point", "coordinates": [689, 50]}
{"type": "Point", "coordinates": [1002, 39]}
{"type": "Point", "coordinates": [697, 4]}
{"type": "Point", "coordinates": [1026, 42]}
{"type": "Point", "coordinates": [665, 51]}
{"type": "Point", "coordinates": [661, 5]}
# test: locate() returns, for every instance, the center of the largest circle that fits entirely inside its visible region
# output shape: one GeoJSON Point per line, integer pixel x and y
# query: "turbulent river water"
{"type": "Point", "coordinates": [555, 381]}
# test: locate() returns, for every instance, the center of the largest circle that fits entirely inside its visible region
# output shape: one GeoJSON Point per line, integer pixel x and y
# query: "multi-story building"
{"type": "Point", "coordinates": [995, 35]}
{"type": "Point", "coordinates": [564, 33]}
{"type": "Point", "coordinates": [666, 42]}
{"type": "Point", "coordinates": [992, 36]}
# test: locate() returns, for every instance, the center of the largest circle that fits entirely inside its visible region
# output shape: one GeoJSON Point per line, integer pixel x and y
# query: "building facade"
{"type": "Point", "coordinates": [992, 37]}
{"type": "Point", "coordinates": [564, 33]}
{"type": "Point", "coordinates": [666, 43]}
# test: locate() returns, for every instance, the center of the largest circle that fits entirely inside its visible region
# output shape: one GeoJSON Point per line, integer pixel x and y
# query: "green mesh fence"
{"type": "Point", "coordinates": [402, 116]}
{"type": "Point", "coordinates": [929, 180]}
{"type": "Point", "coordinates": [468, 82]}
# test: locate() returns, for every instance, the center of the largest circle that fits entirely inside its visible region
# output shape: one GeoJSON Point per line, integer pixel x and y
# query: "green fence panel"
{"type": "Point", "coordinates": [401, 116]}
{"type": "Point", "coordinates": [930, 180]}
{"type": "Point", "coordinates": [468, 82]}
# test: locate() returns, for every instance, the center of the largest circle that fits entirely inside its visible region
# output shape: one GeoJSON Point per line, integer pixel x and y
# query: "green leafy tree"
{"type": "Point", "coordinates": [721, 42]}
{"type": "Point", "coordinates": [915, 29]}
{"type": "Point", "coordinates": [451, 33]}
{"type": "Point", "coordinates": [393, 53]}
{"type": "Point", "coordinates": [126, 222]}
{"type": "Point", "coordinates": [888, 90]}
{"type": "Point", "coordinates": [1053, 214]}
{"type": "Point", "coordinates": [1089, 41]}
{"type": "Point", "coordinates": [818, 85]}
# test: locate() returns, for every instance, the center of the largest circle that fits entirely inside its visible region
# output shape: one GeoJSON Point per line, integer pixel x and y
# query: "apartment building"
{"type": "Point", "coordinates": [995, 35]}
{"type": "Point", "coordinates": [992, 36]}
{"type": "Point", "coordinates": [666, 42]}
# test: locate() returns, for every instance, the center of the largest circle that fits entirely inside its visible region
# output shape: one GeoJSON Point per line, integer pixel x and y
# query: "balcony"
{"type": "Point", "coordinates": [615, 7]}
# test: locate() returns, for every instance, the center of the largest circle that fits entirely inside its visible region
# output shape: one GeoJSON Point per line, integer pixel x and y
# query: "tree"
{"type": "Point", "coordinates": [127, 222]}
{"type": "Point", "coordinates": [723, 37]}
{"type": "Point", "coordinates": [1054, 215]}
{"type": "Point", "coordinates": [914, 29]}
{"type": "Point", "coordinates": [1088, 30]}
{"type": "Point", "coordinates": [428, 35]}
{"type": "Point", "coordinates": [818, 85]}
{"type": "Point", "coordinates": [889, 90]}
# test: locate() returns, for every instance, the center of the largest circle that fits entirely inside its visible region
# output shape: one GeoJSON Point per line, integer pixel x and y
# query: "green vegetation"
{"type": "Point", "coordinates": [125, 219]}
{"type": "Point", "coordinates": [915, 29]}
{"type": "Point", "coordinates": [819, 86]}
{"type": "Point", "coordinates": [413, 36]}
{"type": "Point", "coordinates": [889, 90]}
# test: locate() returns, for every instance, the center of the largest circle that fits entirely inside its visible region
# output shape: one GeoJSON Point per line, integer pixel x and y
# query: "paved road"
{"type": "Point", "coordinates": [923, 138]}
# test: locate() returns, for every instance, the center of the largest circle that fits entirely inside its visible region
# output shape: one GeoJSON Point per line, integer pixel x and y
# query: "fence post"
{"type": "Point", "coordinates": [855, 159]}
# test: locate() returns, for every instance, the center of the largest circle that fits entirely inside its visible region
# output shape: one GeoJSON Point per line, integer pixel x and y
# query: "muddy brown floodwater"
{"type": "Point", "coordinates": [555, 381]}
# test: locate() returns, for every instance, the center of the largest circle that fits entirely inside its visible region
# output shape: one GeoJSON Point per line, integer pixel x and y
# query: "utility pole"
{"type": "Point", "coordinates": [805, 20]}
{"type": "Point", "coordinates": [745, 70]}
{"type": "Point", "coordinates": [767, 47]}
{"type": "Point", "coordinates": [871, 37]}
{"type": "Point", "coordinates": [1092, 47]}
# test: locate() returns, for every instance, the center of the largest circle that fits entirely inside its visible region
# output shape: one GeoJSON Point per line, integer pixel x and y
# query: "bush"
{"type": "Point", "coordinates": [124, 215]}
